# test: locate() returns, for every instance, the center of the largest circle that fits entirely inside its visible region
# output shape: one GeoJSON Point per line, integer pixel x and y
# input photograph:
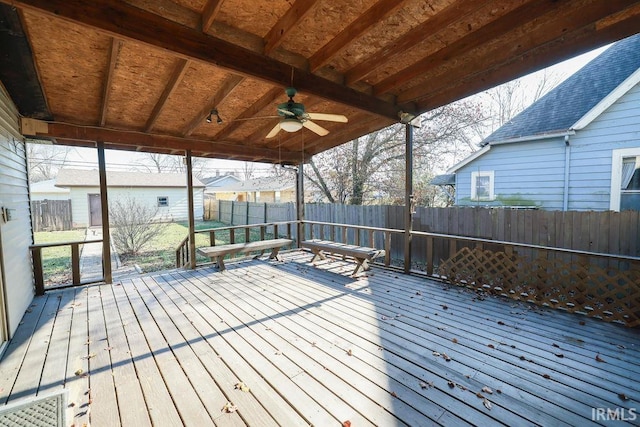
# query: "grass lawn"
{"type": "Point", "coordinates": [160, 253]}
{"type": "Point", "coordinates": [56, 261]}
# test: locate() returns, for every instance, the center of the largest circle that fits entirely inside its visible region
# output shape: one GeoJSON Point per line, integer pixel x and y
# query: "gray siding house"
{"type": "Point", "coordinates": [577, 148]}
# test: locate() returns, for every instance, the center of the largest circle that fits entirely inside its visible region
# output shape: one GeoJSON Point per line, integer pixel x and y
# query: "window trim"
{"type": "Point", "coordinates": [474, 185]}
{"type": "Point", "coordinates": [617, 157]}
{"type": "Point", "coordinates": [166, 203]}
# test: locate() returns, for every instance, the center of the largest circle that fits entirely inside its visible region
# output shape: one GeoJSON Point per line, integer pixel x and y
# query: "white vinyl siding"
{"type": "Point", "coordinates": [177, 210]}
{"type": "Point", "coordinates": [15, 235]}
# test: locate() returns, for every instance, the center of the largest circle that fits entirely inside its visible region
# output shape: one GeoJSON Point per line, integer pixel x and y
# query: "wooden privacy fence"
{"type": "Point", "coordinates": [51, 215]}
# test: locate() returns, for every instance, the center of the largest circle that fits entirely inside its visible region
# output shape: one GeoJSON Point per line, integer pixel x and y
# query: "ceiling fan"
{"type": "Point", "coordinates": [294, 117]}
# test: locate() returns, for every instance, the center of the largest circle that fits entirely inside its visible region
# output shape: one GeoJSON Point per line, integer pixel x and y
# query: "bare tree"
{"type": "Point", "coordinates": [133, 225]}
{"type": "Point", "coordinates": [371, 168]}
{"type": "Point", "coordinates": [506, 101]}
{"type": "Point", "coordinates": [45, 160]}
{"type": "Point", "coordinates": [158, 163]}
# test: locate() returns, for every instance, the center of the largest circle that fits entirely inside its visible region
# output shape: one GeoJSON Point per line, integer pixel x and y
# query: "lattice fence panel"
{"type": "Point", "coordinates": [607, 293]}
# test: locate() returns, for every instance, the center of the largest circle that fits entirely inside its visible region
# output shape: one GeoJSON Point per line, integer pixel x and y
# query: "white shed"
{"type": "Point", "coordinates": [165, 191]}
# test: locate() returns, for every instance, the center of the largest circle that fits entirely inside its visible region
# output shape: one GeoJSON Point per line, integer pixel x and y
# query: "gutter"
{"type": "Point", "coordinates": [567, 163]}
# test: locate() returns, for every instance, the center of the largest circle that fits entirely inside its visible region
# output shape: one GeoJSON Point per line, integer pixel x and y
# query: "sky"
{"type": "Point", "coordinates": [82, 158]}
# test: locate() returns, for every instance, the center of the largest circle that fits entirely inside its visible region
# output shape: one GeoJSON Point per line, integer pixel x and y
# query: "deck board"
{"type": "Point", "coordinates": [314, 346]}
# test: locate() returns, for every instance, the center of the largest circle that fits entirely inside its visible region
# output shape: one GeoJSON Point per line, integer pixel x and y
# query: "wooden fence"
{"type": "Point", "coordinates": [603, 232]}
{"type": "Point", "coordinates": [51, 215]}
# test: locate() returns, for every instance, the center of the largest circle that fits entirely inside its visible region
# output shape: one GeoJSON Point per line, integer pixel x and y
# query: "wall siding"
{"type": "Point", "coordinates": [177, 210]}
{"type": "Point", "coordinates": [539, 168]}
{"type": "Point", "coordinates": [15, 235]}
{"type": "Point", "coordinates": [534, 170]}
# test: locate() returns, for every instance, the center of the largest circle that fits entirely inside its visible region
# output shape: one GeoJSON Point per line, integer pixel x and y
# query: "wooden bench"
{"type": "Point", "coordinates": [217, 253]}
{"type": "Point", "coordinates": [361, 254]}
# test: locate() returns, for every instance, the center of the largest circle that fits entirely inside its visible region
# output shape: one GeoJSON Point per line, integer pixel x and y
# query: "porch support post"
{"type": "Point", "coordinates": [104, 205]}
{"type": "Point", "coordinates": [300, 202]}
{"type": "Point", "coordinates": [408, 196]}
{"type": "Point", "coordinates": [192, 220]}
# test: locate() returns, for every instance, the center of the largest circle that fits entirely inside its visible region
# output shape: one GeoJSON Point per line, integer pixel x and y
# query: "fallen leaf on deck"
{"type": "Point", "coordinates": [455, 341]}
{"type": "Point", "coordinates": [346, 423]}
{"type": "Point", "coordinates": [393, 393]}
{"type": "Point", "coordinates": [242, 387]}
{"type": "Point", "coordinates": [599, 359]}
{"type": "Point", "coordinates": [229, 408]}
{"type": "Point", "coordinates": [546, 376]}
{"type": "Point", "coordinates": [487, 390]}
{"type": "Point", "coordinates": [486, 404]}
{"type": "Point", "coordinates": [71, 405]}
{"type": "Point", "coordinates": [461, 387]}
{"type": "Point", "coordinates": [623, 396]}
{"type": "Point", "coordinates": [435, 353]}
{"type": "Point", "coordinates": [560, 355]}
{"type": "Point", "coordinates": [446, 357]}
{"type": "Point", "coordinates": [491, 346]}
{"type": "Point", "coordinates": [90, 356]}
{"type": "Point", "coordinates": [423, 385]}
{"type": "Point", "coordinates": [418, 293]}
{"type": "Point", "coordinates": [79, 372]}
{"type": "Point", "coordinates": [522, 358]}
{"type": "Point", "coordinates": [500, 322]}
{"type": "Point", "coordinates": [349, 352]}
{"type": "Point", "coordinates": [479, 395]}
{"type": "Point", "coordinates": [555, 345]}
{"type": "Point", "coordinates": [451, 384]}
{"type": "Point", "coordinates": [499, 391]}
{"type": "Point", "coordinates": [444, 307]}
{"type": "Point", "coordinates": [621, 347]}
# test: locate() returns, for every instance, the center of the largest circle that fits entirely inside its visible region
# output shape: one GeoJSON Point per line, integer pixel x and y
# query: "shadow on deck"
{"type": "Point", "coordinates": [291, 344]}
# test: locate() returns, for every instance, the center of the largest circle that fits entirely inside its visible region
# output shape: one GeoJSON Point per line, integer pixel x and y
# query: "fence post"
{"type": "Point", "coordinates": [38, 273]}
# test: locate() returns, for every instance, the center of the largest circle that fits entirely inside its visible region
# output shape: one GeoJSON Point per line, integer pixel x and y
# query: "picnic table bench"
{"type": "Point", "coordinates": [217, 253]}
{"type": "Point", "coordinates": [361, 254]}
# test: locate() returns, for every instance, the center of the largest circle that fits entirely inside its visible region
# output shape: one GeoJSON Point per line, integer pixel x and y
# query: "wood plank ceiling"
{"type": "Point", "coordinates": [144, 74]}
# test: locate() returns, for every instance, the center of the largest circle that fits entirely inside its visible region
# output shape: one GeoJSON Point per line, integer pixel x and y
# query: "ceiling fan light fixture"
{"type": "Point", "coordinates": [290, 125]}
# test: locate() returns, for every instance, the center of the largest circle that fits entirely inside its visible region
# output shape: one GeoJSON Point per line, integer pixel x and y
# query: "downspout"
{"type": "Point", "coordinates": [567, 163]}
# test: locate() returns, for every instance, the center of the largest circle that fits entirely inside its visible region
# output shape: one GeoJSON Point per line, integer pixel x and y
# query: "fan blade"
{"type": "Point", "coordinates": [328, 117]}
{"type": "Point", "coordinates": [286, 112]}
{"type": "Point", "coordinates": [315, 128]}
{"type": "Point", "coordinates": [273, 131]}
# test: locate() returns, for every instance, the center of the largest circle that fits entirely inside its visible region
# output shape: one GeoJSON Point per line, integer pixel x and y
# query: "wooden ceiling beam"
{"type": "Point", "coordinates": [130, 139]}
{"type": "Point", "coordinates": [221, 94]}
{"type": "Point", "coordinates": [267, 99]}
{"type": "Point", "coordinates": [553, 52]}
{"type": "Point", "coordinates": [527, 12]}
{"type": "Point", "coordinates": [456, 11]}
{"type": "Point", "coordinates": [119, 19]}
{"type": "Point", "coordinates": [172, 84]}
{"type": "Point", "coordinates": [287, 23]}
{"type": "Point", "coordinates": [557, 31]}
{"type": "Point", "coordinates": [375, 14]}
{"type": "Point", "coordinates": [114, 50]}
{"type": "Point", "coordinates": [209, 13]}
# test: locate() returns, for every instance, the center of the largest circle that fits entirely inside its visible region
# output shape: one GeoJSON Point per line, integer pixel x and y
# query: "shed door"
{"type": "Point", "coordinates": [95, 210]}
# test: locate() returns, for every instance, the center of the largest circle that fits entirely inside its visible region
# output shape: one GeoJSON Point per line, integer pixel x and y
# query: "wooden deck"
{"type": "Point", "coordinates": [314, 346]}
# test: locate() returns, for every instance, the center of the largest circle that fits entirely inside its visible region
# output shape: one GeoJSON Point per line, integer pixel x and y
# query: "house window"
{"type": "Point", "coordinates": [163, 201]}
{"type": "Point", "coordinates": [625, 179]}
{"type": "Point", "coordinates": [277, 197]}
{"type": "Point", "coordinates": [630, 183]}
{"type": "Point", "coordinates": [482, 185]}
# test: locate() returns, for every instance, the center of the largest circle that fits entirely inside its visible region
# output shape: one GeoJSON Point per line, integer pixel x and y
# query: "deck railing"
{"type": "Point", "coordinates": [38, 270]}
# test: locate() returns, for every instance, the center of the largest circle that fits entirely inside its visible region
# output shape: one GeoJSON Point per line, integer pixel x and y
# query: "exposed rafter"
{"type": "Point", "coordinates": [172, 84]}
{"type": "Point", "coordinates": [267, 99]}
{"type": "Point", "coordinates": [454, 12]}
{"type": "Point", "coordinates": [576, 31]}
{"type": "Point", "coordinates": [480, 36]}
{"type": "Point", "coordinates": [119, 19]}
{"type": "Point", "coordinates": [287, 23]}
{"type": "Point", "coordinates": [209, 13]}
{"type": "Point", "coordinates": [114, 50]}
{"type": "Point", "coordinates": [374, 14]}
{"type": "Point", "coordinates": [223, 92]}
